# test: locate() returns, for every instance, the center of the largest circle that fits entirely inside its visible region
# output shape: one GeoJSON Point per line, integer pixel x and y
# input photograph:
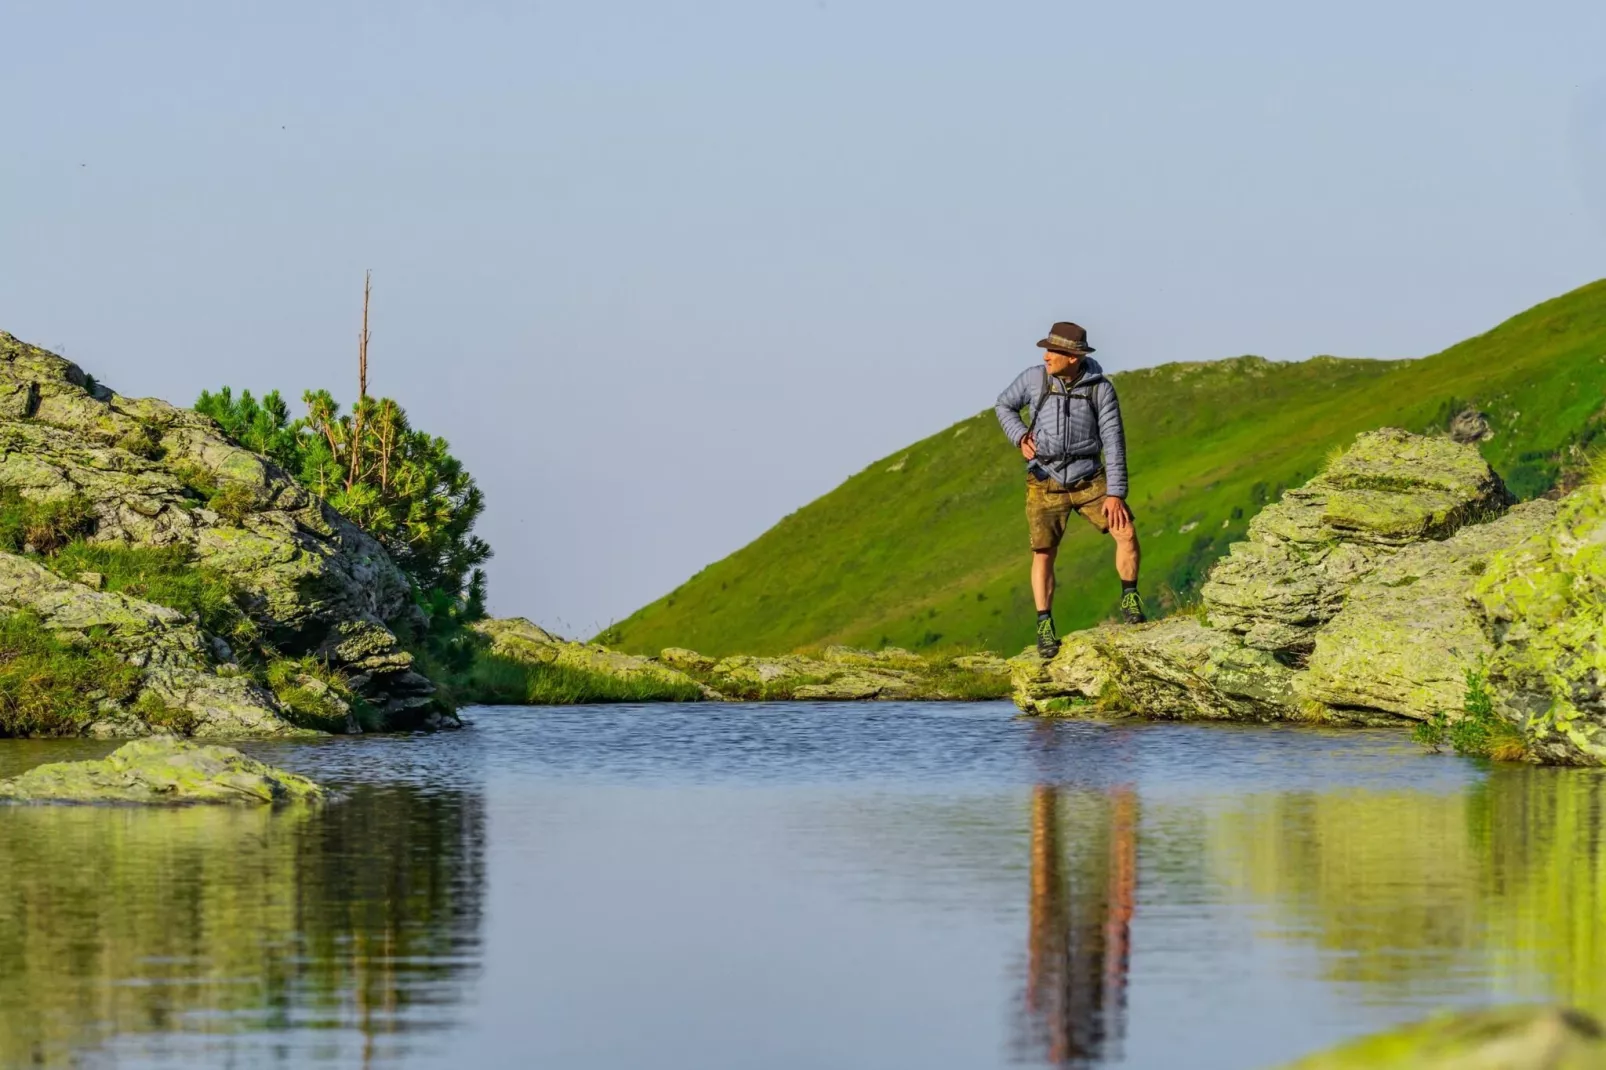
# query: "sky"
{"type": "Point", "coordinates": [663, 273]}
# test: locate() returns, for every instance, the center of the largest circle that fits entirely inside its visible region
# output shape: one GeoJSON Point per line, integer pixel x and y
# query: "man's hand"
{"type": "Point", "coordinates": [1028, 446]}
{"type": "Point", "coordinates": [1118, 515]}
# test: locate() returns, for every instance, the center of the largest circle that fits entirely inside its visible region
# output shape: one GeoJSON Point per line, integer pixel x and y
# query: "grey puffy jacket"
{"type": "Point", "coordinates": [1073, 428]}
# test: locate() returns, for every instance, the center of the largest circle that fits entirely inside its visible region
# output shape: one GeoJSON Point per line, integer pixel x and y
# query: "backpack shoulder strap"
{"type": "Point", "coordinates": [1091, 395]}
{"type": "Point", "coordinates": [1042, 396]}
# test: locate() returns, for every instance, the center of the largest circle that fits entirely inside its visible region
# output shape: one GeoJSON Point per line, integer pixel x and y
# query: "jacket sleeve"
{"type": "Point", "coordinates": [1016, 396]}
{"type": "Point", "coordinates": [1113, 435]}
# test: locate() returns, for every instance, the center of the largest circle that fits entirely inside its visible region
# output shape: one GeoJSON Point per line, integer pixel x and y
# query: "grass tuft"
{"type": "Point", "coordinates": [314, 695]}
{"type": "Point", "coordinates": [493, 680]}
{"type": "Point", "coordinates": [164, 575]}
{"type": "Point", "coordinates": [51, 687]}
{"type": "Point", "coordinates": [233, 502]}
{"type": "Point", "coordinates": [1480, 731]}
{"type": "Point", "coordinates": [42, 526]}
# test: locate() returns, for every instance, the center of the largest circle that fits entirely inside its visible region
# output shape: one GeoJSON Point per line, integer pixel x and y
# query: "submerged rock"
{"type": "Point", "coordinates": [1502, 1038]}
{"type": "Point", "coordinates": [162, 771]}
{"type": "Point", "coordinates": [1389, 490]}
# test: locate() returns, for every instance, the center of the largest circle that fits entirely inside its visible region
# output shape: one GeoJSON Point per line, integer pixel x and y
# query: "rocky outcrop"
{"type": "Point", "coordinates": [1408, 635]}
{"type": "Point", "coordinates": [1172, 669]}
{"type": "Point", "coordinates": [1390, 490]}
{"type": "Point", "coordinates": [520, 640]}
{"type": "Point", "coordinates": [154, 475]}
{"type": "Point", "coordinates": [161, 772]}
{"type": "Point", "coordinates": [1381, 592]}
{"type": "Point", "coordinates": [1507, 1038]}
{"type": "Point", "coordinates": [839, 674]}
{"type": "Point", "coordinates": [1544, 600]}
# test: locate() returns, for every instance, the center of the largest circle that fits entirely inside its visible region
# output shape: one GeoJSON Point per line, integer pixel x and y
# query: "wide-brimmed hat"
{"type": "Point", "coordinates": [1066, 338]}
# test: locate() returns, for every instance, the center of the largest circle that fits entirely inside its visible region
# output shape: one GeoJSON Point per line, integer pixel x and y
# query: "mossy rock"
{"type": "Point", "coordinates": [521, 640]}
{"type": "Point", "coordinates": [1172, 669]}
{"type": "Point", "coordinates": [156, 475]}
{"type": "Point", "coordinates": [1390, 490]}
{"type": "Point", "coordinates": [1409, 633]}
{"type": "Point", "coordinates": [162, 771]}
{"type": "Point", "coordinates": [1545, 603]}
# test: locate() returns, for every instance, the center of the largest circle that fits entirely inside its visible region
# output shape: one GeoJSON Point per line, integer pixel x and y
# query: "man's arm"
{"type": "Point", "coordinates": [1113, 435]}
{"type": "Point", "coordinates": [1014, 398]}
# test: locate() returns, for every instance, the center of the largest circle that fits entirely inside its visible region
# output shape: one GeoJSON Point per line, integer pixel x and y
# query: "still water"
{"type": "Point", "coordinates": [795, 885]}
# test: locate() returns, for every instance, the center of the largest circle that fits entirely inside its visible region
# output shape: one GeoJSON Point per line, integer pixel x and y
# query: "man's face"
{"type": "Point", "coordinates": [1061, 363]}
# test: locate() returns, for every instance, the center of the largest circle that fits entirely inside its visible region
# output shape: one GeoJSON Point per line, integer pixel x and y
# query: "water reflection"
{"type": "Point", "coordinates": [1500, 889]}
{"type": "Point", "coordinates": [1083, 888]}
{"type": "Point", "coordinates": [157, 926]}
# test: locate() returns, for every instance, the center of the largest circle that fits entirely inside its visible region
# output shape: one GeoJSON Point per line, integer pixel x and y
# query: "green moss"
{"type": "Point", "coordinates": [1547, 595]}
{"type": "Point", "coordinates": [50, 687]}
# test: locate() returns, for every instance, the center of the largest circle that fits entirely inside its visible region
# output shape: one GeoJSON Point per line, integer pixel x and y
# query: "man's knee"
{"type": "Point", "coordinates": [1126, 538]}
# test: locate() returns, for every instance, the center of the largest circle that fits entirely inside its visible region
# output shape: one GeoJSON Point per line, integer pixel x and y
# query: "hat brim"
{"type": "Point", "coordinates": [1057, 348]}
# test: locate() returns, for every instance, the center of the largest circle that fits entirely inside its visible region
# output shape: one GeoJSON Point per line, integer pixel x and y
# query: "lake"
{"type": "Point", "coordinates": [796, 885]}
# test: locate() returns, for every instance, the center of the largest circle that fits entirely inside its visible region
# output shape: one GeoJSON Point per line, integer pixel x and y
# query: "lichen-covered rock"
{"type": "Point", "coordinates": [1176, 668]}
{"type": "Point", "coordinates": [521, 640]}
{"type": "Point", "coordinates": [795, 676]}
{"type": "Point", "coordinates": [162, 771]}
{"type": "Point", "coordinates": [147, 470]}
{"type": "Point", "coordinates": [983, 663]}
{"type": "Point", "coordinates": [177, 662]}
{"type": "Point", "coordinates": [1500, 1038]}
{"type": "Point", "coordinates": [1545, 603]}
{"type": "Point", "coordinates": [1409, 633]}
{"type": "Point", "coordinates": [678, 657]}
{"type": "Point", "coordinates": [891, 657]}
{"type": "Point", "coordinates": [1304, 553]}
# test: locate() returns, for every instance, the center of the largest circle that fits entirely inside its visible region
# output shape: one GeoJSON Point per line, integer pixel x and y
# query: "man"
{"type": "Point", "coordinates": [1075, 418]}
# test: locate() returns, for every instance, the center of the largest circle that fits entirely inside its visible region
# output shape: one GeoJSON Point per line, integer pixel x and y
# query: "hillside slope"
{"type": "Point", "coordinates": [927, 548]}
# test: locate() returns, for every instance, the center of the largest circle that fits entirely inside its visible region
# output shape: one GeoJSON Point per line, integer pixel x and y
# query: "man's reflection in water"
{"type": "Point", "coordinates": [1083, 883]}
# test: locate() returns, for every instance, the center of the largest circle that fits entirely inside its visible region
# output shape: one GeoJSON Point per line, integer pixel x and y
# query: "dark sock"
{"type": "Point", "coordinates": [1044, 614]}
{"type": "Point", "coordinates": [1128, 585]}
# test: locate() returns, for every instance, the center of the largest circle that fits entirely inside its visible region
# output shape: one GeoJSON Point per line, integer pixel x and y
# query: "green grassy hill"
{"type": "Point", "coordinates": [927, 548]}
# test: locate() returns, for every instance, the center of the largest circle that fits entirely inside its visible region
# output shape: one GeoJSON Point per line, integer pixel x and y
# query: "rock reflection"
{"type": "Point", "coordinates": [1083, 885]}
{"type": "Point", "coordinates": [1416, 896]}
{"type": "Point", "coordinates": [364, 916]}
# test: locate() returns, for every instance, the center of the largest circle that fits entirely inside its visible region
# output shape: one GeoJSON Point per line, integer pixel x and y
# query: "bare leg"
{"type": "Point", "coordinates": [1127, 554]}
{"type": "Point", "coordinates": [1043, 578]}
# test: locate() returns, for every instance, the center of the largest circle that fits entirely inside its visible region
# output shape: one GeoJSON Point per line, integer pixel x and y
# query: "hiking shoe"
{"type": "Point", "coordinates": [1048, 643]}
{"type": "Point", "coordinates": [1132, 608]}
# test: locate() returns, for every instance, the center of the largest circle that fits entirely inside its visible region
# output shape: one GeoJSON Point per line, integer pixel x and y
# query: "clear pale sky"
{"type": "Point", "coordinates": [663, 273]}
